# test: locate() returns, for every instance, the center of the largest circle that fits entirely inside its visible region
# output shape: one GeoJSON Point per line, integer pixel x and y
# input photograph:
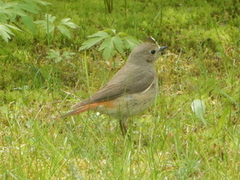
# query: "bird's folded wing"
{"type": "Point", "coordinates": [113, 89]}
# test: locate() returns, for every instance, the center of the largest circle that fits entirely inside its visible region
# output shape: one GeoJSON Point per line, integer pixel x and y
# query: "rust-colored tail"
{"type": "Point", "coordinates": [81, 109]}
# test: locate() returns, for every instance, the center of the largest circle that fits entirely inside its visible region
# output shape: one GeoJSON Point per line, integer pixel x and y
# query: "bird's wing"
{"type": "Point", "coordinates": [113, 89]}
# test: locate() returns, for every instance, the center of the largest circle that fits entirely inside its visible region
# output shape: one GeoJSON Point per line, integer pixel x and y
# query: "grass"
{"type": "Point", "coordinates": [168, 141]}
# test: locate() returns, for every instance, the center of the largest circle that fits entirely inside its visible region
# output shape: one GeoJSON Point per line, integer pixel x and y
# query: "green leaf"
{"type": "Point", "coordinates": [130, 43]}
{"type": "Point", "coordinates": [108, 47]}
{"type": "Point", "coordinates": [67, 54]}
{"type": "Point", "coordinates": [47, 25]}
{"type": "Point", "coordinates": [117, 41]}
{"type": "Point", "coordinates": [42, 2]}
{"type": "Point", "coordinates": [64, 31]}
{"type": "Point", "coordinates": [52, 54]}
{"type": "Point", "coordinates": [112, 31]}
{"type": "Point", "coordinates": [198, 107]}
{"type": "Point", "coordinates": [111, 42]}
{"type": "Point", "coordinates": [66, 22]}
{"type": "Point", "coordinates": [28, 22]}
{"type": "Point", "coordinates": [29, 6]}
{"type": "Point", "coordinates": [40, 22]}
{"type": "Point", "coordinates": [9, 11]}
{"type": "Point", "coordinates": [99, 34]}
{"type": "Point", "coordinates": [105, 43]}
{"type": "Point", "coordinates": [91, 42]}
{"type": "Point", "coordinates": [5, 31]}
{"type": "Point", "coordinates": [50, 18]}
{"type": "Point", "coordinates": [223, 119]}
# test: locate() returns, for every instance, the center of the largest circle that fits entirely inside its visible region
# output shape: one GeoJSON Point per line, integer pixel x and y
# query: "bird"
{"type": "Point", "coordinates": [130, 91]}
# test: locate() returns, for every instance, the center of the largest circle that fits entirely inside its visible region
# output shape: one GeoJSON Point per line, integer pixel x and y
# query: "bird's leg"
{"type": "Point", "coordinates": [123, 126]}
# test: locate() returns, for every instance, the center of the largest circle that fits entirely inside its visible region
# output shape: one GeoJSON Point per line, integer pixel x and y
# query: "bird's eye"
{"type": "Point", "coordinates": [153, 51]}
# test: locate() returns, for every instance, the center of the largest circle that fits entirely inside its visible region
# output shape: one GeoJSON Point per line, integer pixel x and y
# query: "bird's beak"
{"type": "Point", "coordinates": [162, 48]}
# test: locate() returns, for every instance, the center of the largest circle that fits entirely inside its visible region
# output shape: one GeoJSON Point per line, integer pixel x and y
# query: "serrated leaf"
{"type": "Point", "coordinates": [13, 27]}
{"type": "Point", "coordinates": [67, 54]}
{"type": "Point", "coordinates": [198, 107]}
{"type": "Point", "coordinates": [48, 26]}
{"type": "Point", "coordinates": [105, 43]}
{"type": "Point", "coordinates": [63, 21]}
{"type": "Point", "coordinates": [9, 9]}
{"type": "Point", "coordinates": [50, 18]}
{"type": "Point", "coordinates": [117, 41]}
{"type": "Point", "coordinates": [123, 34]}
{"type": "Point", "coordinates": [53, 54]}
{"type": "Point", "coordinates": [99, 34]}
{"type": "Point", "coordinates": [58, 59]}
{"type": "Point", "coordinates": [108, 48]}
{"type": "Point", "coordinates": [29, 7]}
{"type": "Point", "coordinates": [112, 31]}
{"type": "Point", "coordinates": [4, 5]}
{"type": "Point", "coordinates": [64, 31]}
{"type": "Point", "coordinates": [5, 31]}
{"type": "Point", "coordinates": [130, 43]}
{"type": "Point", "coordinates": [71, 25]}
{"type": "Point", "coordinates": [89, 43]}
{"type": "Point", "coordinates": [66, 22]}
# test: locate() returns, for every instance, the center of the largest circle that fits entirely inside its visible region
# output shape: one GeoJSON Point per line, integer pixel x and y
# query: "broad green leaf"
{"type": "Point", "coordinates": [13, 27]}
{"type": "Point", "coordinates": [29, 6]}
{"type": "Point", "coordinates": [99, 34]}
{"type": "Point", "coordinates": [58, 59]}
{"type": "Point", "coordinates": [67, 54]}
{"type": "Point", "coordinates": [130, 43]}
{"type": "Point", "coordinates": [66, 22]}
{"type": "Point", "coordinates": [40, 22]}
{"type": "Point", "coordinates": [122, 34]}
{"type": "Point", "coordinates": [117, 41]}
{"type": "Point", "coordinates": [64, 30]}
{"type": "Point", "coordinates": [112, 31]}
{"type": "Point", "coordinates": [107, 47]}
{"type": "Point", "coordinates": [52, 54]}
{"type": "Point", "coordinates": [4, 5]}
{"type": "Point", "coordinates": [49, 27]}
{"type": "Point", "coordinates": [223, 119]}
{"type": "Point", "coordinates": [111, 42]}
{"type": "Point", "coordinates": [28, 22]}
{"type": "Point", "coordinates": [42, 2]}
{"type": "Point", "coordinates": [5, 31]}
{"type": "Point", "coordinates": [63, 21]}
{"type": "Point", "coordinates": [9, 11]}
{"type": "Point", "coordinates": [50, 18]}
{"type": "Point", "coordinates": [105, 43]}
{"type": "Point", "coordinates": [91, 42]}
{"type": "Point", "coordinates": [71, 25]}
{"type": "Point", "coordinates": [198, 107]}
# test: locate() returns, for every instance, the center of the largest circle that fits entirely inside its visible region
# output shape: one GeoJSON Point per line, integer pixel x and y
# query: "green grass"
{"type": "Point", "coordinates": [168, 141]}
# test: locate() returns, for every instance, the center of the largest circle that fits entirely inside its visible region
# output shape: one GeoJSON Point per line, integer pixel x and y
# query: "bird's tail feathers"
{"type": "Point", "coordinates": [81, 109]}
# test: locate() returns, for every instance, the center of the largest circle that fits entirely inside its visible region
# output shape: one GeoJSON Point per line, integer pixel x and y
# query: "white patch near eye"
{"type": "Point", "coordinates": [154, 40]}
